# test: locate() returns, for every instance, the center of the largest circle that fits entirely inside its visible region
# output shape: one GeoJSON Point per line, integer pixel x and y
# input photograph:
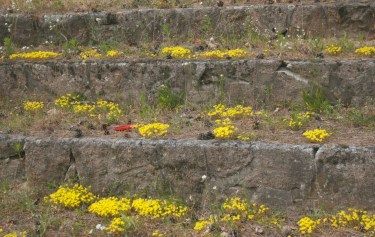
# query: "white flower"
{"type": "Point", "coordinates": [214, 187]}
{"type": "Point", "coordinates": [100, 227]}
{"type": "Point", "coordinates": [204, 177]}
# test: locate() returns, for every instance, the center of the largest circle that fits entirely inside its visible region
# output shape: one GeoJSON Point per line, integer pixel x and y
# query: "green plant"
{"type": "Point", "coordinates": [9, 46]}
{"type": "Point", "coordinates": [345, 43]}
{"type": "Point", "coordinates": [4, 186]}
{"type": "Point", "coordinates": [166, 29]}
{"type": "Point", "coordinates": [71, 47]}
{"type": "Point", "coordinates": [130, 224]}
{"type": "Point", "coordinates": [359, 118]}
{"type": "Point", "coordinates": [315, 100]}
{"type": "Point", "coordinates": [316, 45]}
{"type": "Point", "coordinates": [207, 25]}
{"type": "Point", "coordinates": [18, 149]}
{"type": "Point", "coordinates": [108, 46]}
{"type": "Point", "coordinates": [169, 99]}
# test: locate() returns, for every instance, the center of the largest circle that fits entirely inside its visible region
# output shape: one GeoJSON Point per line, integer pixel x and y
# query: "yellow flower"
{"type": "Point", "coordinates": [34, 55]}
{"type": "Point", "coordinates": [70, 196]}
{"type": "Point", "coordinates": [153, 129]}
{"type": "Point", "coordinates": [176, 52]}
{"type": "Point", "coordinates": [91, 53]}
{"type": "Point", "coordinates": [333, 50]}
{"type": "Point", "coordinates": [109, 207]}
{"type": "Point", "coordinates": [113, 53]}
{"type": "Point", "coordinates": [116, 226]}
{"type": "Point", "coordinates": [33, 106]}
{"type": "Point", "coordinates": [307, 225]}
{"type": "Point", "coordinates": [317, 135]}
{"type": "Point", "coordinates": [365, 51]}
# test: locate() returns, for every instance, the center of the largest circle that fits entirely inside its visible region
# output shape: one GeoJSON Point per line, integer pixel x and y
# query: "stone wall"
{"type": "Point", "coordinates": [261, 82]}
{"type": "Point", "coordinates": [288, 177]}
{"type": "Point", "coordinates": [153, 25]}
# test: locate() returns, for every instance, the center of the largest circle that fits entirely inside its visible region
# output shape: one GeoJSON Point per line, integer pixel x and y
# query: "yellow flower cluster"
{"type": "Point", "coordinates": [157, 233]}
{"type": "Point", "coordinates": [354, 218]}
{"type": "Point", "coordinates": [153, 129]}
{"type": "Point", "coordinates": [109, 207]}
{"type": "Point", "coordinates": [219, 54]}
{"type": "Point", "coordinates": [156, 208]}
{"type": "Point", "coordinates": [226, 129]}
{"type": "Point", "coordinates": [298, 120]}
{"type": "Point", "coordinates": [162, 4]}
{"type": "Point", "coordinates": [113, 53]}
{"type": "Point", "coordinates": [15, 234]}
{"type": "Point", "coordinates": [235, 209]}
{"type": "Point", "coordinates": [236, 53]}
{"type": "Point", "coordinates": [33, 106]}
{"type": "Point", "coordinates": [220, 110]}
{"type": "Point", "coordinates": [89, 54]}
{"type": "Point", "coordinates": [34, 55]}
{"type": "Point", "coordinates": [366, 51]}
{"type": "Point", "coordinates": [71, 196]}
{"type": "Point", "coordinates": [333, 50]}
{"type": "Point", "coordinates": [203, 223]}
{"type": "Point", "coordinates": [245, 137]}
{"type": "Point", "coordinates": [67, 101]}
{"type": "Point", "coordinates": [110, 110]}
{"type": "Point", "coordinates": [116, 226]}
{"type": "Point", "coordinates": [176, 52]}
{"type": "Point", "coordinates": [83, 108]}
{"type": "Point", "coordinates": [307, 225]}
{"type": "Point", "coordinates": [317, 135]}
{"type": "Point", "coordinates": [236, 205]}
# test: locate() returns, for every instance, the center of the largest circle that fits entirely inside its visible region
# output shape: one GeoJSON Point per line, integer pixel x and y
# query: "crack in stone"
{"type": "Point", "coordinates": [313, 183]}
{"type": "Point", "coordinates": [71, 173]}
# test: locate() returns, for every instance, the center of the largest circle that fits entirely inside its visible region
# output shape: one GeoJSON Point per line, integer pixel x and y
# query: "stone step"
{"type": "Point", "coordinates": [134, 27]}
{"type": "Point", "coordinates": [261, 82]}
{"type": "Point", "coordinates": [286, 177]}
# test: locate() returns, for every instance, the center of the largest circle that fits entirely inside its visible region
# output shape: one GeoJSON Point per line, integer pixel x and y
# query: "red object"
{"type": "Point", "coordinates": [126, 127]}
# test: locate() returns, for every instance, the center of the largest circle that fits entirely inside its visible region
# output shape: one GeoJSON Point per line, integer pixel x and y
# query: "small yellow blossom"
{"type": "Point", "coordinates": [153, 129]}
{"type": "Point", "coordinates": [113, 53]}
{"type": "Point", "coordinates": [34, 55]}
{"type": "Point", "coordinates": [71, 196]}
{"type": "Point", "coordinates": [117, 226]}
{"type": "Point", "coordinates": [366, 51]}
{"type": "Point", "coordinates": [333, 50]}
{"type": "Point", "coordinates": [317, 135]}
{"type": "Point", "coordinates": [90, 54]}
{"type": "Point", "coordinates": [33, 106]}
{"type": "Point", "coordinates": [176, 52]}
{"type": "Point", "coordinates": [109, 207]}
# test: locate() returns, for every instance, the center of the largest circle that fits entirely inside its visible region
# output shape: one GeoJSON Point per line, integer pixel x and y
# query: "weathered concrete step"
{"type": "Point", "coordinates": [283, 176]}
{"type": "Point", "coordinates": [261, 82]}
{"type": "Point", "coordinates": [179, 25]}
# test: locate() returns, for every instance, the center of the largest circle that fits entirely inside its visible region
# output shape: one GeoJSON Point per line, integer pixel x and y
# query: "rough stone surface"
{"type": "Point", "coordinates": [146, 25]}
{"type": "Point", "coordinates": [345, 172]}
{"type": "Point", "coordinates": [282, 176]}
{"type": "Point", "coordinates": [12, 162]}
{"type": "Point", "coordinates": [46, 161]}
{"type": "Point", "coordinates": [262, 82]}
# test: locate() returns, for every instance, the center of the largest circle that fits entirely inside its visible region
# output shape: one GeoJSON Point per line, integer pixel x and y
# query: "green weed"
{"type": "Point", "coordinates": [169, 99]}
{"type": "Point", "coordinates": [9, 46]}
{"type": "Point", "coordinates": [359, 118]}
{"type": "Point", "coordinates": [316, 45]}
{"type": "Point", "coordinates": [315, 100]}
{"type": "Point", "coordinates": [71, 47]}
